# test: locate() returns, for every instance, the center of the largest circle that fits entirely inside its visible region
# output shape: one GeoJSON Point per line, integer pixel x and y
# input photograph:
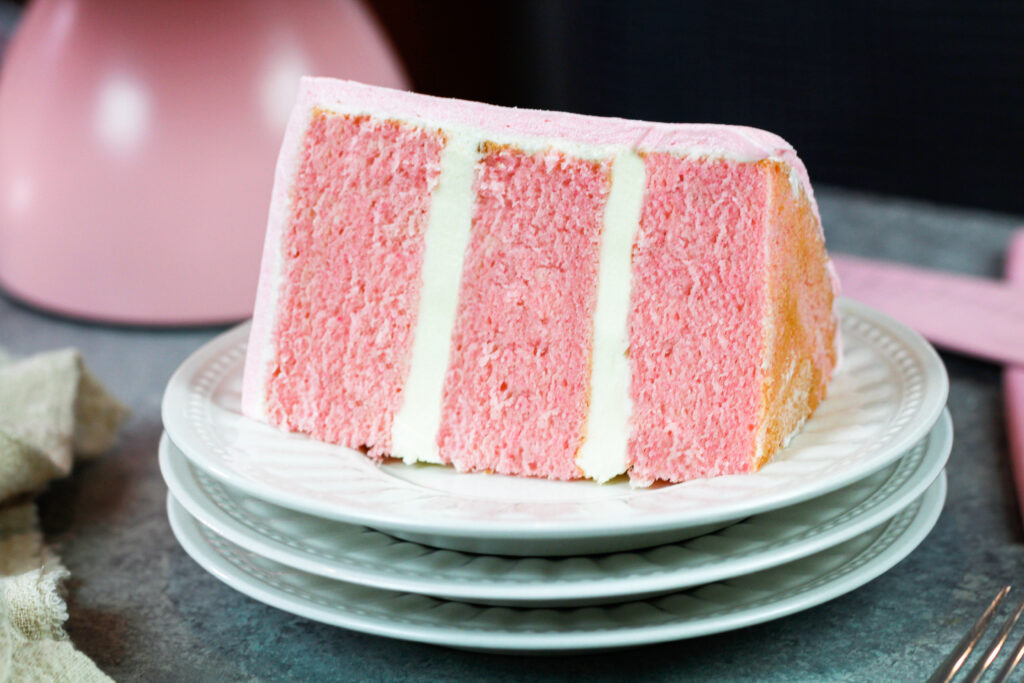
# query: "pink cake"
{"type": "Point", "coordinates": [537, 293]}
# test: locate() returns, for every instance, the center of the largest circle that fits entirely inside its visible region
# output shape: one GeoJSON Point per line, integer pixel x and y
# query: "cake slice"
{"type": "Point", "coordinates": [537, 293]}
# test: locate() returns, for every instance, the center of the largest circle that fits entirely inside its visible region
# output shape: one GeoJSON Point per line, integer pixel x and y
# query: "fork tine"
{"type": "Point", "coordinates": [993, 650]}
{"type": "Point", "coordinates": [1013, 661]}
{"type": "Point", "coordinates": [959, 655]}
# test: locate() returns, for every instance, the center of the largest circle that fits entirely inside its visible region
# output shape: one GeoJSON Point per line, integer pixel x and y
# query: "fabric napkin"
{"type": "Point", "coordinates": [52, 411]}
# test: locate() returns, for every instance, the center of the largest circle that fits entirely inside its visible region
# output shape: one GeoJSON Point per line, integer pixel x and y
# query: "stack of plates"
{"type": "Point", "coordinates": [504, 564]}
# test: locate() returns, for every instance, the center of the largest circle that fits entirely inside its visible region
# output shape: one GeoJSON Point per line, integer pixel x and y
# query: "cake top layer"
{"type": "Point", "coordinates": [741, 143]}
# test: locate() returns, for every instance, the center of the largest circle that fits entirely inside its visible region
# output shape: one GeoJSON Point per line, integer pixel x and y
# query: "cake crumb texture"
{"type": "Point", "coordinates": [801, 326]}
{"type": "Point", "coordinates": [517, 386]}
{"type": "Point", "coordinates": [351, 250]}
{"type": "Point", "coordinates": [695, 321]}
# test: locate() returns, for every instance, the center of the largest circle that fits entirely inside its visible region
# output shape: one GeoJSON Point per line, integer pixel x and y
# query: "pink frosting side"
{"type": "Point", "coordinates": [254, 377]}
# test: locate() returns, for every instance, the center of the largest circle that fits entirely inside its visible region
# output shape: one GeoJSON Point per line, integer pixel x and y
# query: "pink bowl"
{"type": "Point", "coordinates": [138, 141]}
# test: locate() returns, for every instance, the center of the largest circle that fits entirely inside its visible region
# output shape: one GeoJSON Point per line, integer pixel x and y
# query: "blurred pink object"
{"type": "Point", "coordinates": [977, 316]}
{"type": "Point", "coordinates": [138, 142]}
{"type": "Point", "coordinates": [1013, 378]}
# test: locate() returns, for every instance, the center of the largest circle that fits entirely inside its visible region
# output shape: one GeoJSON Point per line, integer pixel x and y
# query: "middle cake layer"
{"type": "Point", "coordinates": [517, 387]}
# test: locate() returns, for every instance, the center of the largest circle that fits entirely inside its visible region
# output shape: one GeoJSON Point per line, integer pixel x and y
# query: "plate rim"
{"type": "Point", "coordinates": [925, 516]}
{"type": "Point", "coordinates": [933, 403]}
{"type": "Point", "coordinates": [180, 479]}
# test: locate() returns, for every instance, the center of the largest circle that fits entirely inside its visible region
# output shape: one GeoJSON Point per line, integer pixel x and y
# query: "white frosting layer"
{"type": "Point", "coordinates": [603, 454]}
{"type": "Point", "coordinates": [413, 434]}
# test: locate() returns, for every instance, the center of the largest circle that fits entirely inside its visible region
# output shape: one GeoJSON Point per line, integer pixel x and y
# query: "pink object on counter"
{"type": "Point", "coordinates": [1013, 377]}
{"type": "Point", "coordinates": [967, 314]}
{"type": "Point", "coordinates": [138, 143]}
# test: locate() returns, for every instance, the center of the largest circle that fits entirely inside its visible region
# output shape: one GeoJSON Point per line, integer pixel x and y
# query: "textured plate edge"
{"type": "Point", "coordinates": [933, 405]}
{"type": "Point", "coordinates": [566, 593]}
{"type": "Point", "coordinates": [910, 538]}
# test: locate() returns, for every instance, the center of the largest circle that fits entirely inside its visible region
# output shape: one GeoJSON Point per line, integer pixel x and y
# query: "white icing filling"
{"type": "Point", "coordinates": [413, 434]}
{"type": "Point", "coordinates": [603, 454]}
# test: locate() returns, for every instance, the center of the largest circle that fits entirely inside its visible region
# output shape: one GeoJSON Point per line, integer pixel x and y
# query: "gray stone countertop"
{"type": "Point", "coordinates": [143, 610]}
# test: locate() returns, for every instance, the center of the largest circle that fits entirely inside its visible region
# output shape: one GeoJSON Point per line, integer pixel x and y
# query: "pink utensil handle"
{"type": "Point", "coordinates": [971, 315]}
{"type": "Point", "coordinates": [1013, 380]}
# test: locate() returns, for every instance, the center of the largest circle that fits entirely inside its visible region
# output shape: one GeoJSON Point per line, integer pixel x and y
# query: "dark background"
{"type": "Point", "coordinates": [912, 98]}
{"type": "Point", "coordinates": [921, 99]}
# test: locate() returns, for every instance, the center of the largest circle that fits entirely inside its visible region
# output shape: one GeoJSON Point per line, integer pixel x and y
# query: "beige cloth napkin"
{"type": "Point", "coordinates": [52, 411]}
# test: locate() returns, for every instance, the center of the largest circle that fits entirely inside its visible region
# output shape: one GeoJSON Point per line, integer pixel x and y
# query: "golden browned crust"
{"type": "Point", "coordinates": [800, 334]}
{"type": "Point", "coordinates": [488, 147]}
{"type": "Point", "coordinates": [320, 113]}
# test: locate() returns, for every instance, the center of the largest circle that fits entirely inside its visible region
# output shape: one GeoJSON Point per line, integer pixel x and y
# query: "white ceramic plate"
{"type": "Point", "coordinates": [363, 556]}
{"type": "Point", "coordinates": [887, 394]}
{"type": "Point", "coordinates": [712, 608]}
